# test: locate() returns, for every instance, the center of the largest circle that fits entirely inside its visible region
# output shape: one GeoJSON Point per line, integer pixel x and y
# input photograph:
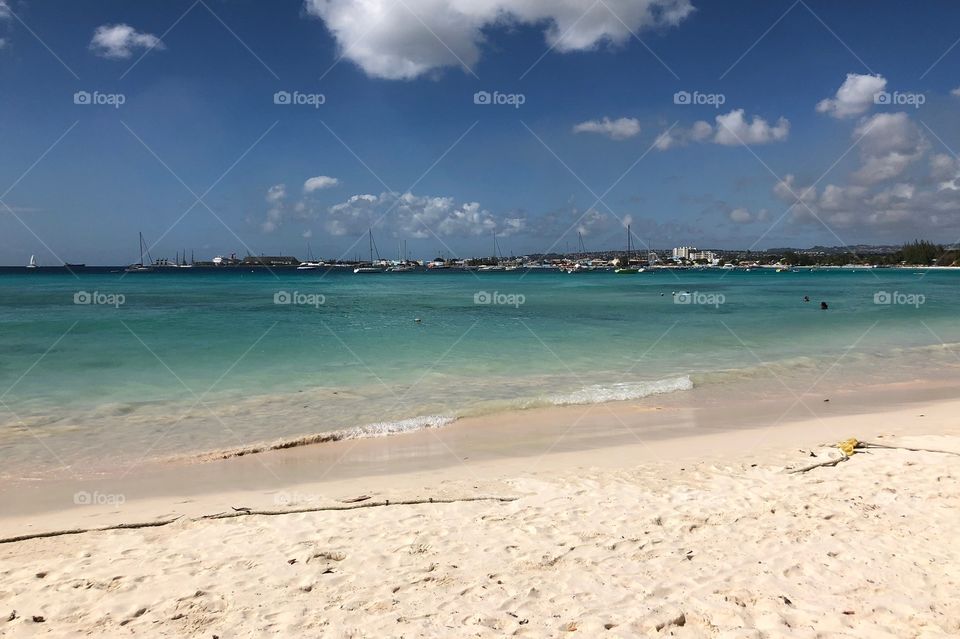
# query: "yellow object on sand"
{"type": "Point", "coordinates": [847, 446]}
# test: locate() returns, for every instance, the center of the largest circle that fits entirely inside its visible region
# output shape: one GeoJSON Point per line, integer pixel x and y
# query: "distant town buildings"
{"type": "Point", "coordinates": [683, 254]}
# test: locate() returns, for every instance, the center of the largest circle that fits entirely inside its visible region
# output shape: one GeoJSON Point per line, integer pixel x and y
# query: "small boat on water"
{"type": "Point", "coordinates": [496, 262]}
{"type": "Point", "coordinates": [140, 267]}
{"type": "Point", "coordinates": [33, 262]}
{"type": "Point", "coordinates": [627, 269]}
{"type": "Point", "coordinates": [310, 264]}
{"type": "Point", "coordinates": [370, 267]}
{"type": "Point", "coordinates": [403, 264]}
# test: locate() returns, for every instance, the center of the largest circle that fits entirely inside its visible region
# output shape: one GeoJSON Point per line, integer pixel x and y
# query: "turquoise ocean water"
{"type": "Point", "coordinates": [159, 364]}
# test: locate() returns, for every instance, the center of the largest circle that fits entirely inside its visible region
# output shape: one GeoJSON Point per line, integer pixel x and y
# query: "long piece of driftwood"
{"type": "Point", "coordinates": [917, 450]}
{"type": "Point", "coordinates": [246, 513]}
{"type": "Point", "coordinates": [353, 506]}
{"type": "Point", "coordinates": [867, 445]}
{"type": "Point", "coordinates": [829, 462]}
{"type": "Point", "coordinates": [80, 531]}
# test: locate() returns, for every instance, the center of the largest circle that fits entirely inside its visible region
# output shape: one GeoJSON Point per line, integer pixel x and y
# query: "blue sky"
{"type": "Point", "coordinates": [405, 149]}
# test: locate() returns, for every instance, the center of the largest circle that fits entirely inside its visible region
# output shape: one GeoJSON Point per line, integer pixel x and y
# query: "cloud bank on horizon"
{"type": "Point", "coordinates": [881, 192]}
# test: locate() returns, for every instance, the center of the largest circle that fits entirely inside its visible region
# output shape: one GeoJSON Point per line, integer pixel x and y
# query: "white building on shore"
{"type": "Point", "coordinates": [692, 254]}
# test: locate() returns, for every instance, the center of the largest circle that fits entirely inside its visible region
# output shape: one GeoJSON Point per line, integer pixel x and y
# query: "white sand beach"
{"type": "Point", "coordinates": [698, 536]}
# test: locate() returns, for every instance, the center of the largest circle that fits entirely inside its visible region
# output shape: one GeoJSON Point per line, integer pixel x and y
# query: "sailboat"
{"type": "Point", "coordinates": [580, 265]}
{"type": "Point", "coordinates": [626, 269]}
{"type": "Point", "coordinates": [140, 267]}
{"type": "Point", "coordinates": [33, 262]}
{"type": "Point", "coordinates": [402, 264]}
{"type": "Point", "coordinates": [369, 268]}
{"type": "Point", "coordinates": [310, 264]}
{"type": "Point", "coordinates": [497, 258]}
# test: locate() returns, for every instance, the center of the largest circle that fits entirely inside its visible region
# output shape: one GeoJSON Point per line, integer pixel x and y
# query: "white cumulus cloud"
{"type": "Point", "coordinates": [619, 129]}
{"type": "Point", "coordinates": [121, 40]}
{"type": "Point", "coordinates": [404, 40]}
{"type": "Point", "coordinates": [945, 170]}
{"type": "Point", "coordinates": [889, 143]}
{"type": "Point", "coordinates": [276, 195]}
{"type": "Point", "coordinates": [733, 129]}
{"type": "Point", "coordinates": [730, 129]}
{"type": "Point", "coordinates": [5, 14]}
{"type": "Point", "coordinates": [320, 182]}
{"type": "Point", "coordinates": [742, 215]}
{"type": "Point", "coordinates": [882, 197]}
{"type": "Point", "coordinates": [854, 97]}
{"type": "Point", "coordinates": [416, 217]}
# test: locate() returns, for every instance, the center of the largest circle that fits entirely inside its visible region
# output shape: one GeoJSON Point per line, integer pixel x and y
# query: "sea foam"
{"type": "Point", "coordinates": [377, 429]}
{"type": "Point", "coordinates": [622, 391]}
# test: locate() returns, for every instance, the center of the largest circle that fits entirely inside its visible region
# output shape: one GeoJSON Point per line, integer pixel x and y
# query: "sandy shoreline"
{"type": "Point", "coordinates": [689, 425]}
{"type": "Point", "coordinates": [703, 535]}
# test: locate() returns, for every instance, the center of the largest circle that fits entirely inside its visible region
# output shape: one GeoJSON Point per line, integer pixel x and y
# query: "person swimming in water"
{"type": "Point", "coordinates": [823, 306]}
{"type": "Point", "coordinates": [806, 298]}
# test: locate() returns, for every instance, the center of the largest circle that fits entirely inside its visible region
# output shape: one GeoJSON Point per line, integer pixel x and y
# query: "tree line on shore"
{"type": "Point", "coordinates": [916, 253]}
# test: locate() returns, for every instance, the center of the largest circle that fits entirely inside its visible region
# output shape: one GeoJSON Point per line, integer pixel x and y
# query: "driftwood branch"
{"type": "Point", "coordinates": [80, 531]}
{"type": "Point", "coordinates": [247, 513]}
{"type": "Point", "coordinates": [868, 445]}
{"type": "Point", "coordinates": [916, 450]}
{"type": "Point", "coordinates": [353, 506]}
{"type": "Point", "coordinates": [831, 462]}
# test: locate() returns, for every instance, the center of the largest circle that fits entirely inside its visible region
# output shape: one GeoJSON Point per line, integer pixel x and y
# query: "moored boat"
{"type": "Point", "coordinates": [627, 269]}
{"type": "Point", "coordinates": [140, 267]}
